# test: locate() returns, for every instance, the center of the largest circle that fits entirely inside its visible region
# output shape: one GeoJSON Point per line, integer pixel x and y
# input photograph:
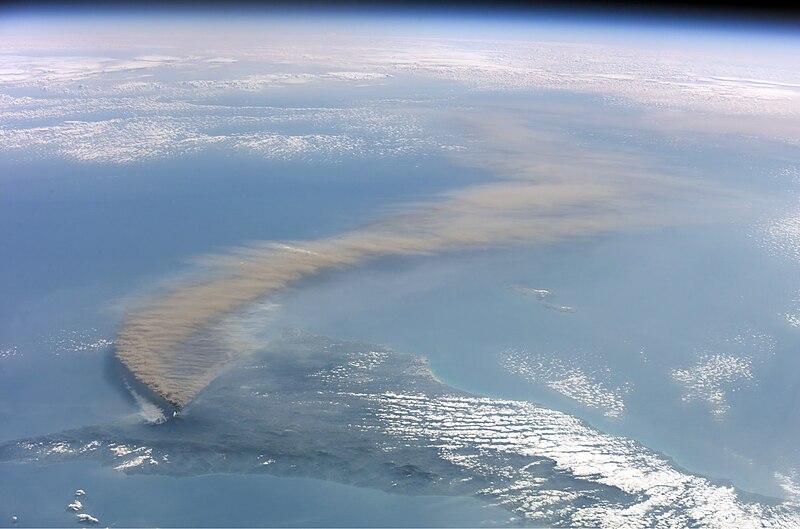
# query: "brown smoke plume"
{"type": "Point", "coordinates": [547, 190]}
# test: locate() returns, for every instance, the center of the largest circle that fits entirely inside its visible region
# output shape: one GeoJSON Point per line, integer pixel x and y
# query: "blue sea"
{"type": "Point", "coordinates": [679, 337]}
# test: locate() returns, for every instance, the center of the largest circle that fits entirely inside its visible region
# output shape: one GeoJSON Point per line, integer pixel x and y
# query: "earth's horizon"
{"type": "Point", "coordinates": [542, 269]}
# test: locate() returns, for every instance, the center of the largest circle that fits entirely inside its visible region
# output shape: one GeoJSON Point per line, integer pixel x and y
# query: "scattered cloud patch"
{"type": "Point", "coordinates": [76, 341]}
{"type": "Point", "coordinates": [716, 375]}
{"type": "Point", "coordinates": [9, 351]}
{"type": "Point", "coordinates": [581, 378]}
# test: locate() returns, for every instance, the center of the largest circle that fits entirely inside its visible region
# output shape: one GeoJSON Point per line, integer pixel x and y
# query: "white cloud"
{"type": "Point", "coordinates": [716, 375]}
{"type": "Point", "coordinates": [712, 378]}
{"type": "Point", "coordinates": [44, 70]}
{"type": "Point", "coordinates": [580, 378]}
{"type": "Point", "coordinates": [518, 433]}
{"type": "Point", "coordinates": [154, 129]}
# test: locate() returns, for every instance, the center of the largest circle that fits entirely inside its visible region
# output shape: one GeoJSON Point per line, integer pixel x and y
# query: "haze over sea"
{"type": "Point", "coordinates": [408, 270]}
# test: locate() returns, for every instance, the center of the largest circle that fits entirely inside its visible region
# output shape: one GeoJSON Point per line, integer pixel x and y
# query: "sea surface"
{"type": "Point", "coordinates": [680, 340]}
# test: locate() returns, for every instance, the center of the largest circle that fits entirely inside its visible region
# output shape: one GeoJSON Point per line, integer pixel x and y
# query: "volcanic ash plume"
{"type": "Point", "coordinates": [168, 345]}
